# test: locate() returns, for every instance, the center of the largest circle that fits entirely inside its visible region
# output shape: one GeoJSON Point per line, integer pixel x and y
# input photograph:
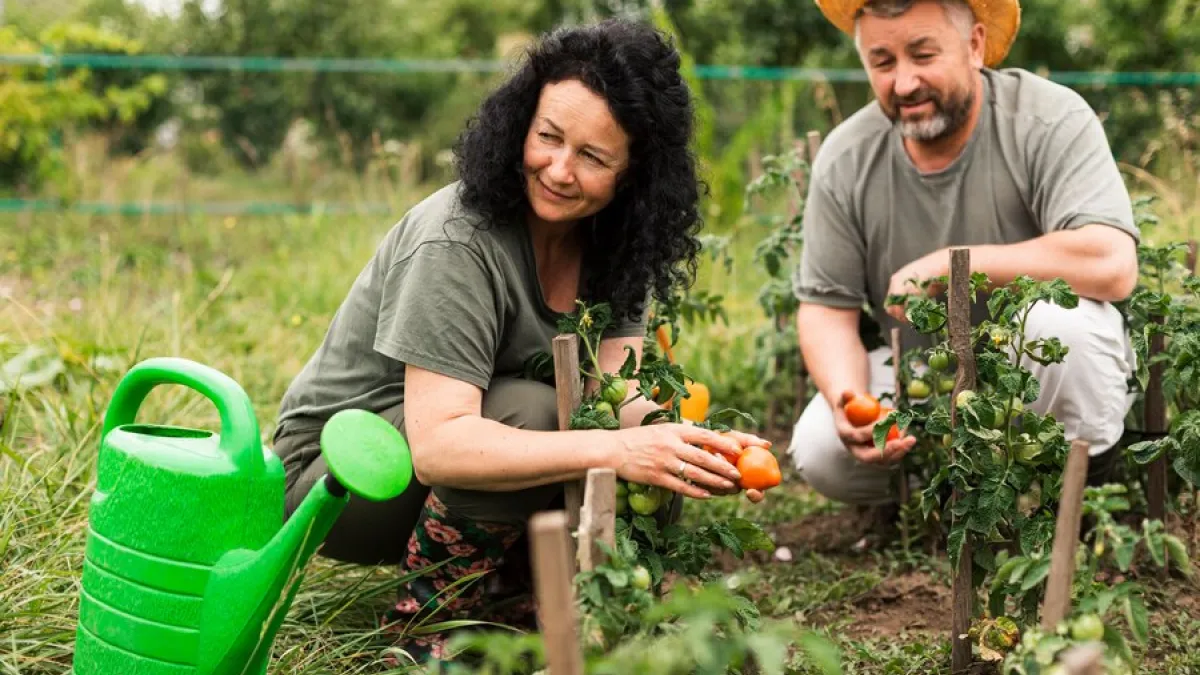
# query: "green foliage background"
{"type": "Point", "coordinates": [352, 115]}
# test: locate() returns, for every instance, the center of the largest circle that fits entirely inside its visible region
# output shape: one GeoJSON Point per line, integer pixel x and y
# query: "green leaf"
{"type": "Point", "coordinates": [1116, 642]}
{"type": "Point", "coordinates": [1145, 452]}
{"type": "Point", "coordinates": [629, 368]}
{"type": "Point", "coordinates": [1123, 553]}
{"type": "Point", "coordinates": [728, 539]}
{"type": "Point", "coordinates": [752, 536]}
{"type": "Point", "coordinates": [1037, 573]}
{"type": "Point", "coordinates": [1006, 571]}
{"type": "Point", "coordinates": [822, 652]}
{"type": "Point", "coordinates": [618, 578]}
{"type": "Point", "coordinates": [1139, 622]}
{"type": "Point", "coordinates": [1178, 553]}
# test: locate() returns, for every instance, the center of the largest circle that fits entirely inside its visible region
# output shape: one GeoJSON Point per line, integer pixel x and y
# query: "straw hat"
{"type": "Point", "coordinates": [1001, 18]}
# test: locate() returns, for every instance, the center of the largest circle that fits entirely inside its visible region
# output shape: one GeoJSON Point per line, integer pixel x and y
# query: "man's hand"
{"type": "Point", "coordinates": [906, 280]}
{"type": "Point", "coordinates": [860, 440]}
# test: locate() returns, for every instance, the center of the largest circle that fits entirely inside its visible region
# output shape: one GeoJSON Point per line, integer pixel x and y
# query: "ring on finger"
{"type": "Point", "coordinates": [682, 468]}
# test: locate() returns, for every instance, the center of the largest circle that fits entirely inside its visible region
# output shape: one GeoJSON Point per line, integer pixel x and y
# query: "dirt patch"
{"type": "Point", "coordinates": [911, 602]}
{"type": "Point", "coordinates": [833, 532]}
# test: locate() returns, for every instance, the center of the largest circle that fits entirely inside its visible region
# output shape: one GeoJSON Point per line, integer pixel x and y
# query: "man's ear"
{"type": "Point", "coordinates": [978, 44]}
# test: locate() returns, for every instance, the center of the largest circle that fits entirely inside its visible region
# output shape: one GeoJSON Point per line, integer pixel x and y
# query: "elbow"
{"type": "Point", "coordinates": [1123, 277]}
{"type": "Point", "coordinates": [422, 470]}
{"type": "Point", "coordinates": [428, 466]}
{"type": "Point", "coordinates": [1123, 285]}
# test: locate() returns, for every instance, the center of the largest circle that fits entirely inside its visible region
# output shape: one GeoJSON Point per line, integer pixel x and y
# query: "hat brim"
{"type": "Point", "coordinates": [1001, 20]}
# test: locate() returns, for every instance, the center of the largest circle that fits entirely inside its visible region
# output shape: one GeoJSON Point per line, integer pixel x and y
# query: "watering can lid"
{"type": "Point", "coordinates": [366, 454]}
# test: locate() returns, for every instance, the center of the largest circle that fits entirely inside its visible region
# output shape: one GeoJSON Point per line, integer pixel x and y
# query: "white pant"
{"type": "Point", "coordinates": [1087, 393]}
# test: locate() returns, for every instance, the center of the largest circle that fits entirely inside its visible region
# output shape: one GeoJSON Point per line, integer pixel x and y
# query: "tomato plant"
{"type": "Point", "coordinates": [1166, 304]}
{"type": "Point", "coordinates": [644, 511]}
{"type": "Point", "coordinates": [1005, 461]}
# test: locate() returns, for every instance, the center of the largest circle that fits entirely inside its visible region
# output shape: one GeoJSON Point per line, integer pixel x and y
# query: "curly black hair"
{"type": "Point", "coordinates": [643, 242]}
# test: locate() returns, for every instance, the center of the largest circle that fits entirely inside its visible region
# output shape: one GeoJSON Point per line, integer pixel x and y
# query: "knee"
{"type": "Point", "coordinates": [829, 469]}
{"type": "Point", "coordinates": [524, 404]}
{"type": "Point", "coordinates": [1088, 331]}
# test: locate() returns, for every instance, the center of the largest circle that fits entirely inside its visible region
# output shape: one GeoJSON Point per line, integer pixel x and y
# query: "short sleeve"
{"type": "Point", "coordinates": [624, 326]}
{"type": "Point", "coordinates": [440, 310]}
{"type": "Point", "coordinates": [833, 261]}
{"type": "Point", "coordinates": [1076, 181]}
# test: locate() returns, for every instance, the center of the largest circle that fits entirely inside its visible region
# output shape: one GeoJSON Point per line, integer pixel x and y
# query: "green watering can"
{"type": "Point", "coordinates": [189, 567]}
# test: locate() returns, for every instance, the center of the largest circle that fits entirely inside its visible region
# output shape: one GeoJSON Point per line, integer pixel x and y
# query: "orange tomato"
{"type": "Point", "coordinates": [759, 469]}
{"type": "Point", "coordinates": [861, 409]}
{"type": "Point", "coordinates": [695, 406]}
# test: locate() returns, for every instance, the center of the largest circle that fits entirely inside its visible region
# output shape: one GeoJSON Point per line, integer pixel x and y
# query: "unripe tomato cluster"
{"type": "Point", "coordinates": [941, 364]}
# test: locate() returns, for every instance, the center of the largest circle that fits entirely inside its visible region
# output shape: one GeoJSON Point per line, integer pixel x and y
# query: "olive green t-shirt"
{"type": "Point", "coordinates": [1038, 161]}
{"type": "Point", "coordinates": [439, 294]}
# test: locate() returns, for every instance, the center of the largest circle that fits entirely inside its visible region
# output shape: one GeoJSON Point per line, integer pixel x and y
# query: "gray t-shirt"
{"type": "Point", "coordinates": [1038, 161]}
{"type": "Point", "coordinates": [439, 294]}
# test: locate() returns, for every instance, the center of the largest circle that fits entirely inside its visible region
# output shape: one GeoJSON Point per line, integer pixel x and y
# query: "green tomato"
{"type": "Point", "coordinates": [615, 392]}
{"type": "Point", "coordinates": [1026, 450]}
{"type": "Point", "coordinates": [641, 578]}
{"type": "Point", "coordinates": [918, 389]}
{"type": "Point", "coordinates": [638, 488]}
{"type": "Point", "coordinates": [622, 489]}
{"type": "Point", "coordinates": [1087, 628]}
{"type": "Point", "coordinates": [604, 407]}
{"type": "Point", "coordinates": [947, 440]}
{"type": "Point", "coordinates": [945, 385]}
{"type": "Point", "coordinates": [643, 504]}
{"type": "Point", "coordinates": [622, 505]}
{"type": "Point", "coordinates": [940, 361]}
{"type": "Point", "coordinates": [964, 398]}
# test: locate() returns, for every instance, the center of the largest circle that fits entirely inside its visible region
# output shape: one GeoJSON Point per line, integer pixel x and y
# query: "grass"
{"type": "Point", "coordinates": [252, 297]}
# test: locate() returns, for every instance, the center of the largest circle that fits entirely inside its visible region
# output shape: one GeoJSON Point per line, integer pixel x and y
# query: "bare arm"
{"type": "Point", "coordinates": [453, 444]}
{"type": "Point", "coordinates": [1097, 261]}
{"type": "Point", "coordinates": [832, 349]}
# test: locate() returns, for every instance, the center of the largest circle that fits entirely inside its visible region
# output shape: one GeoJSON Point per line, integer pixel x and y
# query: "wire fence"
{"type": "Point", "coordinates": [753, 85]}
{"type": "Point", "coordinates": [401, 66]}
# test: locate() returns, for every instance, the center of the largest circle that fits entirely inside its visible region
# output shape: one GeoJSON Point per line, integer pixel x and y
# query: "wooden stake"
{"type": "Point", "coordinates": [1191, 255]}
{"type": "Point", "coordinates": [902, 473]}
{"type": "Point", "coordinates": [568, 382]}
{"type": "Point", "coordinates": [598, 518]}
{"type": "Point", "coordinates": [1056, 606]}
{"type": "Point", "coordinates": [550, 541]}
{"type": "Point", "coordinates": [959, 310]}
{"type": "Point", "coordinates": [1156, 424]}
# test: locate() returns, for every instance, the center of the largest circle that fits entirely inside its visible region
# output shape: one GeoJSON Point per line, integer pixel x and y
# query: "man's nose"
{"type": "Point", "coordinates": [907, 82]}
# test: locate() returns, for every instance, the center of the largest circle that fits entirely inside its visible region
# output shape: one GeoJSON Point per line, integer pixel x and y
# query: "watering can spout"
{"type": "Point", "coordinates": [250, 591]}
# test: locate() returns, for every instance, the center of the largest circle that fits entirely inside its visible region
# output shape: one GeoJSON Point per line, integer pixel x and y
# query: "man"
{"type": "Point", "coordinates": [956, 153]}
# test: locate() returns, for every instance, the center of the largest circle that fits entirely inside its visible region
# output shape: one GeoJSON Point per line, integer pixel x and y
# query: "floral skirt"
{"type": "Point", "coordinates": [458, 548]}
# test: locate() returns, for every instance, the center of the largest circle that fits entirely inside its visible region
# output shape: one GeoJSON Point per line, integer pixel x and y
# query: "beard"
{"type": "Point", "coordinates": [949, 114]}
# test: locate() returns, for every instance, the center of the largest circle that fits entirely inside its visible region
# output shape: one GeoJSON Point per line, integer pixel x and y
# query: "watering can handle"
{"type": "Point", "coordinates": [239, 427]}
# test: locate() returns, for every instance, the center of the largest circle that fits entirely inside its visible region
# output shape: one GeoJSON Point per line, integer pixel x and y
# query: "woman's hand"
{"type": "Point", "coordinates": [670, 456]}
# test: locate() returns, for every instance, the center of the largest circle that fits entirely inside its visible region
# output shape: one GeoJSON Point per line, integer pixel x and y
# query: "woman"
{"type": "Point", "coordinates": [576, 181]}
